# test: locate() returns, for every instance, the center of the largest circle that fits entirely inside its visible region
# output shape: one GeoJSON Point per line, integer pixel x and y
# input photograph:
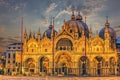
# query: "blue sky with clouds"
{"type": "Point", "coordinates": [37, 13]}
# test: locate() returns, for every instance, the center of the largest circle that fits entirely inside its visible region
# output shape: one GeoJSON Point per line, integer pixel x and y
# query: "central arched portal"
{"type": "Point", "coordinates": [63, 63]}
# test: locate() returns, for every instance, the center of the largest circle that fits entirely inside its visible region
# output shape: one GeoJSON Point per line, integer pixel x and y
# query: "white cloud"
{"type": "Point", "coordinates": [4, 3]}
{"type": "Point", "coordinates": [61, 13]}
{"type": "Point", "coordinates": [51, 7]}
{"type": "Point", "coordinates": [19, 7]}
{"type": "Point", "coordinates": [89, 6]}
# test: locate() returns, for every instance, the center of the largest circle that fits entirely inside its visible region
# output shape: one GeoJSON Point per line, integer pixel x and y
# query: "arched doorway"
{"type": "Point", "coordinates": [83, 65]}
{"type": "Point", "coordinates": [63, 64]}
{"type": "Point", "coordinates": [99, 64]}
{"type": "Point", "coordinates": [30, 65]}
{"type": "Point", "coordinates": [63, 68]}
{"type": "Point", "coordinates": [112, 65]}
{"type": "Point", "coordinates": [44, 64]}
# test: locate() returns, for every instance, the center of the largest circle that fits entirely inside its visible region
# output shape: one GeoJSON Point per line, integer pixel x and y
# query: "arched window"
{"type": "Point", "coordinates": [64, 44]}
{"type": "Point", "coordinates": [97, 49]}
{"type": "Point", "coordinates": [44, 64]}
{"type": "Point", "coordinates": [71, 31]}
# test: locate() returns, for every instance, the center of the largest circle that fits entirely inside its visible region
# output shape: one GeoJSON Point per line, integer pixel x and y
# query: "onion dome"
{"type": "Point", "coordinates": [110, 30]}
{"type": "Point", "coordinates": [48, 32]}
{"type": "Point", "coordinates": [82, 23]}
{"type": "Point", "coordinates": [77, 25]}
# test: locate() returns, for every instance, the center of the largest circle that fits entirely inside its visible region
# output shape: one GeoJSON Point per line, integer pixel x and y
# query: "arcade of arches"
{"type": "Point", "coordinates": [66, 64]}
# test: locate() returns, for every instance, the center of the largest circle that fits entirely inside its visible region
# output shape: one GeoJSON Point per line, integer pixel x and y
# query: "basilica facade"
{"type": "Point", "coordinates": [73, 50]}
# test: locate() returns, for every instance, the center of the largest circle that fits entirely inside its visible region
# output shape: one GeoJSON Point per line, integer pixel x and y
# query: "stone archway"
{"type": "Point", "coordinates": [63, 63]}
{"type": "Point", "coordinates": [30, 65]}
{"type": "Point", "coordinates": [112, 65]}
{"type": "Point", "coordinates": [83, 65]}
{"type": "Point", "coordinates": [43, 64]}
{"type": "Point", "coordinates": [98, 65]}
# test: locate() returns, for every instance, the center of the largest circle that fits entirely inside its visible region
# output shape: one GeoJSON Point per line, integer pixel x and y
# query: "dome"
{"type": "Point", "coordinates": [78, 26]}
{"type": "Point", "coordinates": [84, 26]}
{"type": "Point", "coordinates": [48, 32]}
{"type": "Point", "coordinates": [111, 31]}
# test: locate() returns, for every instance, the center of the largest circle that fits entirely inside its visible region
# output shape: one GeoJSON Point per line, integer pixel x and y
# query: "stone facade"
{"type": "Point", "coordinates": [76, 50]}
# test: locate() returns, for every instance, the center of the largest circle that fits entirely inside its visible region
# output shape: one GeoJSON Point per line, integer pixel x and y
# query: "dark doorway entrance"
{"type": "Point", "coordinates": [64, 69]}
{"type": "Point", "coordinates": [99, 69]}
{"type": "Point", "coordinates": [31, 70]}
{"type": "Point", "coordinates": [84, 69]}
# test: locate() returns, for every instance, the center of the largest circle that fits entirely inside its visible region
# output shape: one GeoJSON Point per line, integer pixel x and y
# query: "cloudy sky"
{"type": "Point", "coordinates": [37, 14]}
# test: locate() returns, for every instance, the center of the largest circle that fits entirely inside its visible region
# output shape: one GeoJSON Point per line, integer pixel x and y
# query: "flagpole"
{"type": "Point", "coordinates": [53, 45]}
{"type": "Point", "coordinates": [85, 46]}
{"type": "Point", "coordinates": [85, 36]}
{"type": "Point", "coordinates": [21, 42]}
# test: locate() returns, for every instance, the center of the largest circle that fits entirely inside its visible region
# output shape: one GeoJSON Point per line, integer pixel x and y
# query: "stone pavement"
{"type": "Point", "coordinates": [56, 78]}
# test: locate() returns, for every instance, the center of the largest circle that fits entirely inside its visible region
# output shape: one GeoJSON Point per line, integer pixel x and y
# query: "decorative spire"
{"type": "Point", "coordinates": [97, 32]}
{"type": "Point", "coordinates": [107, 24]}
{"type": "Point", "coordinates": [73, 16]}
{"type": "Point", "coordinates": [90, 34]}
{"type": "Point", "coordinates": [79, 17]}
{"type": "Point", "coordinates": [34, 35]}
{"type": "Point", "coordinates": [106, 33]}
{"type": "Point", "coordinates": [50, 26]}
{"type": "Point", "coordinates": [45, 34]}
{"type": "Point", "coordinates": [25, 36]}
{"type": "Point", "coordinates": [30, 34]}
{"type": "Point", "coordinates": [25, 33]}
{"type": "Point", "coordinates": [39, 36]}
{"type": "Point", "coordinates": [39, 31]}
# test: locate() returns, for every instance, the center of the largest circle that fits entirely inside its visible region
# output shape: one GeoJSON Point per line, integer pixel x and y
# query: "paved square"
{"type": "Point", "coordinates": [56, 78]}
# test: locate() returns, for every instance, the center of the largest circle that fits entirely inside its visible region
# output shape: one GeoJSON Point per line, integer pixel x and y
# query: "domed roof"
{"type": "Point", "coordinates": [48, 32]}
{"type": "Point", "coordinates": [84, 26]}
{"type": "Point", "coordinates": [78, 24]}
{"type": "Point", "coordinates": [111, 31]}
